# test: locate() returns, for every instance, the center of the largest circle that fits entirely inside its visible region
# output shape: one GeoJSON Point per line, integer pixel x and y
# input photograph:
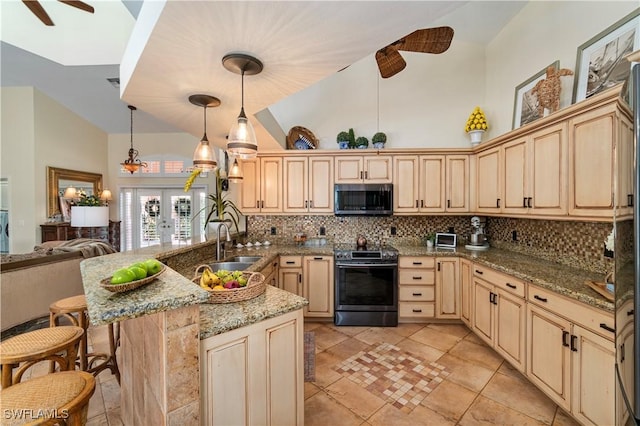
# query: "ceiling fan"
{"type": "Point", "coordinates": [429, 40]}
{"type": "Point", "coordinates": [39, 11]}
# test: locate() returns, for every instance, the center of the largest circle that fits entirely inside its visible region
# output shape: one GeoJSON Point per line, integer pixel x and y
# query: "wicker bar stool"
{"type": "Point", "coordinates": [25, 350]}
{"type": "Point", "coordinates": [59, 398]}
{"type": "Point", "coordinates": [74, 309]}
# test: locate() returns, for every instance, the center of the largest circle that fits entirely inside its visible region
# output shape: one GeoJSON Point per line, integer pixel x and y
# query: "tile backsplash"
{"type": "Point", "coordinates": [579, 244]}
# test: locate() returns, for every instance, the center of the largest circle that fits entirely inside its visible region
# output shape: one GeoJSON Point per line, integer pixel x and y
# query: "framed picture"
{"type": "Point", "coordinates": [600, 63]}
{"type": "Point", "coordinates": [525, 105]}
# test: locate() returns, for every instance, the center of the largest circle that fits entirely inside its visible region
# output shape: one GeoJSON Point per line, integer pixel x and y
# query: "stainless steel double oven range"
{"type": "Point", "coordinates": [366, 286]}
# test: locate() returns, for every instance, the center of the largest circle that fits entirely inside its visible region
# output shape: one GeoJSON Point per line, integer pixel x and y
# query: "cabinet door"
{"type": "Point", "coordinates": [290, 279]}
{"type": "Point", "coordinates": [548, 165]}
{"type": "Point", "coordinates": [250, 187]}
{"type": "Point", "coordinates": [270, 185]}
{"type": "Point", "coordinates": [457, 183]}
{"type": "Point", "coordinates": [510, 332]}
{"type": "Point", "coordinates": [488, 181]}
{"type": "Point", "coordinates": [624, 148]}
{"type": "Point", "coordinates": [515, 165]}
{"type": "Point", "coordinates": [378, 169]}
{"type": "Point", "coordinates": [593, 377]}
{"type": "Point", "coordinates": [295, 191]}
{"type": "Point", "coordinates": [349, 169]}
{"type": "Point", "coordinates": [431, 183]}
{"type": "Point", "coordinates": [321, 184]}
{"type": "Point", "coordinates": [447, 288]}
{"type": "Point", "coordinates": [405, 183]}
{"type": "Point", "coordinates": [318, 286]}
{"type": "Point", "coordinates": [465, 291]}
{"type": "Point", "coordinates": [548, 354]}
{"type": "Point", "coordinates": [591, 167]}
{"type": "Point", "coordinates": [482, 308]}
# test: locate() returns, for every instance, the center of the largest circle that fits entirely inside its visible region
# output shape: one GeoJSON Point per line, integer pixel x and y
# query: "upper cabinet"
{"type": "Point", "coordinates": [308, 184]}
{"type": "Point", "coordinates": [488, 193]}
{"type": "Point", "coordinates": [261, 188]}
{"type": "Point", "coordinates": [363, 169]}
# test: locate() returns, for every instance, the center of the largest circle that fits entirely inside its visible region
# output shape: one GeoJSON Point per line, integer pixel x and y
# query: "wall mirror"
{"type": "Point", "coordinates": [59, 179]}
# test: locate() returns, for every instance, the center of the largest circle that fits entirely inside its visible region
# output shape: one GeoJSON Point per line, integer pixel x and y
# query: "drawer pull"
{"type": "Point", "coordinates": [479, 272]}
{"type": "Point", "coordinates": [511, 286]}
{"type": "Point", "coordinates": [574, 339]}
{"type": "Point", "coordinates": [290, 262]}
{"type": "Point", "coordinates": [565, 334]}
{"type": "Point", "coordinates": [417, 294]}
{"type": "Point", "coordinates": [606, 327]}
{"type": "Point", "coordinates": [622, 353]}
{"type": "Point", "coordinates": [630, 313]}
{"type": "Point", "coordinates": [417, 278]}
{"type": "Point", "coordinates": [542, 299]}
{"type": "Point", "coordinates": [417, 263]}
{"type": "Point", "coordinates": [317, 258]}
{"type": "Point", "coordinates": [417, 311]}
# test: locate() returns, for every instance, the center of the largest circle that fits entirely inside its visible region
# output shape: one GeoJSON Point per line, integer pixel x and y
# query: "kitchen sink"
{"type": "Point", "coordinates": [230, 266]}
{"type": "Point", "coordinates": [250, 259]}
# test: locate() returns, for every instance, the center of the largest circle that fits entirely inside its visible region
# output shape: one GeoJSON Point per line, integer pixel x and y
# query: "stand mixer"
{"type": "Point", "coordinates": [477, 239]}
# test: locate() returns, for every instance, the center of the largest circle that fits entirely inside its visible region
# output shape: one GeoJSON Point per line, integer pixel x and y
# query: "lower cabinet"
{"type": "Point", "coordinates": [498, 315]}
{"type": "Point", "coordinates": [466, 301]}
{"type": "Point", "coordinates": [290, 274]}
{"type": "Point", "coordinates": [447, 288]}
{"type": "Point", "coordinates": [318, 286]}
{"type": "Point", "coordinates": [572, 362]}
{"type": "Point", "coordinates": [254, 374]}
{"type": "Point", "coordinates": [416, 278]}
{"type": "Point", "coordinates": [270, 273]}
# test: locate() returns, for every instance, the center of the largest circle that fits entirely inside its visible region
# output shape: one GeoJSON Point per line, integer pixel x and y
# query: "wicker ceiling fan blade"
{"type": "Point", "coordinates": [429, 40]}
{"type": "Point", "coordinates": [390, 62]}
{"type": "Point", "coordinates": [79, 5]}
{"type": "Point", "coordinates": [39, 11]}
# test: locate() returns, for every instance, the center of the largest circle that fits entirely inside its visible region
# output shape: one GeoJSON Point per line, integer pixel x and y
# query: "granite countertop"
{"type": "Point", "coordinates": [169, 291]}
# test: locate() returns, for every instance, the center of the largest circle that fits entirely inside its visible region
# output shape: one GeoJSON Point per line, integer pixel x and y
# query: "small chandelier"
{"type": "Point", "coordinates": [242, 138]}
{"type": "Point", "coordinates": [204, 158]}
{"type": "Point", "coordinates": [132, 164]}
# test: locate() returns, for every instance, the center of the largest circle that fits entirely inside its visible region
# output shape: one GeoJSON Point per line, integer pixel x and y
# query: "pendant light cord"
{"type": "Point", "coordinates": [131, 127]}
{"type": "Point", "coordinates": [242, 91]}
{"type": "Point", "coordinates": [205, 121]}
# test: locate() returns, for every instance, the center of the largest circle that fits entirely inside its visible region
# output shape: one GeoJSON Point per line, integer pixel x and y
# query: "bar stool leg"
{"type": "Point", "coordinates": [113, 346]}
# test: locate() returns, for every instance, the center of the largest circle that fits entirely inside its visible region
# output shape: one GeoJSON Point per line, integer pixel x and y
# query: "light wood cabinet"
{"type": "Point", "coordinates": [416, 279]}
{"type": "Point", "coordinates": [488, 183]}
{"type": "Point", "coordinates": [625, 163]}
{"type": "Point", "coordinates": [447, 288]}
{"type": "Point", "coordinates": [318, 286]}
{"type": "Point", "coordinates": [466, 293]}
{"type": "Point", "coordinates": [270, 273]}
{"type": "Point", "coordinates": [363, 169]}
{"type": "Point", "coordinates": [457, 183]}
{"type": "Point", "coordinates": [290, 274]}
{"type": "Point", "coordinates": [498, 314]}
{"type": "Point", "coordinates": [308, 184]}
{"type": "Point", "coordinates": [261, 189]}
{"type": "Point", "coordinates": [254, 374]}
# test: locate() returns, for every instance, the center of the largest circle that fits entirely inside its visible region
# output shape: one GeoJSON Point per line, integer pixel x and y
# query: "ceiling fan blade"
{"type": "Point", "coordinates": [79, 5]}
{"type": "Point", "coordinates": [430, 40]}
{"type": "Point", "coordinates": [39, 11]}
{"type": "Point", "coordinates": [389, 61]}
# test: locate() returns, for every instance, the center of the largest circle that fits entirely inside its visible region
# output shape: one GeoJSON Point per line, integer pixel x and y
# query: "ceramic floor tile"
{"type": "Point", "coordinates": [480, 354]}
{"type": "Point", "coordinates": [458, 330]}
{"type": "Point", "coordinates": [321, 410]}
{"type": "Point", "coordinates": [310, 326]}
{"type": "Point", "coordinates": [521, 395]}
{"type": "Point", "coordinates": [465, 373]}
{"type": "Point", "coordinates": [96, 403]}
{"type": "Point", "coordinates": [100, 420]}
{"type": "Point", "coordinates": [473, 337]}
{"type": "Point", "coordinates": [348, 330]}
{"type": "Point", "coordinates": [379, 334]}
{"type": "Point", "coordinates": [434, 338]}
{"type": "Point", "coordinates": [420, 416]}
{"type": "Point", "coordinates": [509, 370]}
{"type": "Point", "coordinates": [363, 404]}
{"type": "Point", "coordinates": [408, 329]}
{"type": "Point", "coordinates": [563, 419]}
{"type": "Point", "coordinates": [310, 389]}
{"type": "Point", "coordinates": [325, 372]}
{"type": "Point", "coordinates": [347, 348]}
{"type": "Point", "coordinates": [487, 412]}
{"type": "Point", "coordinates": [327, 337]}
{"type": "Point", "coordinates": [425, 352]}
{"type": "Point", "coordinates": [450, 400]}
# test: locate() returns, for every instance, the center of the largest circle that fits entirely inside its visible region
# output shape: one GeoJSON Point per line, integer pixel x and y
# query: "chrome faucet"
{"type": "Point", "coordinates": [220, 225]}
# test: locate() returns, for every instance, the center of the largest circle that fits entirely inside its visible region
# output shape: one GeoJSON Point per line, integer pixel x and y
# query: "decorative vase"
{"type": "Point", "coordinates": [476, 136]}
{"type": "Point", "coordinates": [343, 144]}
{"type": "Point", "coordinates": [378, 145]}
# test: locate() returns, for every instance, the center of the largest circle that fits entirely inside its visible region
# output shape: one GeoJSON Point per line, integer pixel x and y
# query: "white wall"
{"type": "Point", "coordinates": [427, 104]}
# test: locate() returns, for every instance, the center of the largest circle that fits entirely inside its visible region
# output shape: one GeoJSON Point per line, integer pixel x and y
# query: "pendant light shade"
{"type": "Point", "coordinates": [242, 138]}
{"type": "Point", "coordinates": [235, 174]}
{"type": "Point", "coordinates": [133, 163]}
{"type": "Point", "coordinates": [204, 158]}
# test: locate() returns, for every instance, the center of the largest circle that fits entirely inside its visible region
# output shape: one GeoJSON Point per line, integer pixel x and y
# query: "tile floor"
{"type": "Point", "coordinates": [476, 385]}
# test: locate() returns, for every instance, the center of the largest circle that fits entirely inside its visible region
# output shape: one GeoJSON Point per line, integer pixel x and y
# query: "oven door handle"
{"type": "Point", "coordinates": [366, 265]}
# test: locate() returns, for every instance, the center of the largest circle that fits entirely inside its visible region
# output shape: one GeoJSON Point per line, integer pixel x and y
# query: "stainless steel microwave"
{"type": "Point", "coordinates": [363, 199]}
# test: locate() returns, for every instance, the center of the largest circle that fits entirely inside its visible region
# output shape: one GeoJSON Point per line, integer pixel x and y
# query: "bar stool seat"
{"type": "Point", "coordinates": [74, 309]}
{"type": "Point", "coordinates": [25, 350]}
{"type": "Point", "coordinates": [49, 399]}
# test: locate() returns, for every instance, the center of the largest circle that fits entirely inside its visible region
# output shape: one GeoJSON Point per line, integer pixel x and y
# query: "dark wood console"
{"type": "Point", "coordinates": [63, 231]}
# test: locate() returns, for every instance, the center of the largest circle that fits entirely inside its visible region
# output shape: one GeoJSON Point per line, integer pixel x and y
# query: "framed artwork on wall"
{"type": "Point", "coordinates": [600, 62]}
{"type": "Point", "coordinates": [525, 104]}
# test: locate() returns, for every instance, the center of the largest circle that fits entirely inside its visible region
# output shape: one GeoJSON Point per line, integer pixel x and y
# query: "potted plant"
{"type": "Point", "coordinates": [379, 139]}
{"type": "Point", "coordinates": [362, 142]}
{"type": "Point", "coordinates": [476, 125]}
{"type": "Point", "coordinates": [343, 140]}
{"type": "Point", "coordinates": [352, 139]}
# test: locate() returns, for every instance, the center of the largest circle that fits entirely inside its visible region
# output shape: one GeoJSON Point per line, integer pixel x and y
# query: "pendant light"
{"type": "Point", "coordinates": [242, 138]}
{"type": "Point", "coordinates": [204, 158]}
{"type": "Point", "coordinates": [132, 164]}
{"type": "Point", "coordinates": [235, 174]}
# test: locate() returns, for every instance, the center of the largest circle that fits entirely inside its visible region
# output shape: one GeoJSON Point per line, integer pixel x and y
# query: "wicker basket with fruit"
{"type": "Point", "coordinates": [229, 286]}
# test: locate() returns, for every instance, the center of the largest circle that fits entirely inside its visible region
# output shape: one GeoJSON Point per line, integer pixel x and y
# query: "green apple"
{"type": "Point", "coordinates": [122, 276]}
{"type": "Point", "coordinates": [139, 272]}
{"type": "Point", "coordinates": [139, 265]}
{"type": "Point", "coordinates": [153, 266]}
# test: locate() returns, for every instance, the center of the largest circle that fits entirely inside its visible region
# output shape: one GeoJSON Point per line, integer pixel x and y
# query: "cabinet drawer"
{"type": "Point", "coordinates": [418, 293]}
{"type": "Point", "coordinates": [591, 318]}
{"type": "Point", "coordinates": [416, 276]}
{"type": "Point", "coordinates": [503, 281]}
{"type": "Point", "coordinates": [417, 262]}
{"type": "Point", "coordinates": [417, 309]}
{"type": "Point", "coordinates": [290, 261]}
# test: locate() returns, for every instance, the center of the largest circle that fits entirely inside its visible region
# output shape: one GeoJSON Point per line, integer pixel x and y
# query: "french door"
{"type": "Point", "coordinates": [152, 216]}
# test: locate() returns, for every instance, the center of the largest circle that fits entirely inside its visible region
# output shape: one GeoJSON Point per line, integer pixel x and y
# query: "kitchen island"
{"type": "Point", "coordinates": [170, 345]}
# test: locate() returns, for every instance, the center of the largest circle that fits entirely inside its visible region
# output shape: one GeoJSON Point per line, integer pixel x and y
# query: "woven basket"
{"type": "Point", "coordinates": [120, 288]}
{"type": "Point", "coordinates": [304, 134]}
{"type": "Point", "coordinates": [256, 285]}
